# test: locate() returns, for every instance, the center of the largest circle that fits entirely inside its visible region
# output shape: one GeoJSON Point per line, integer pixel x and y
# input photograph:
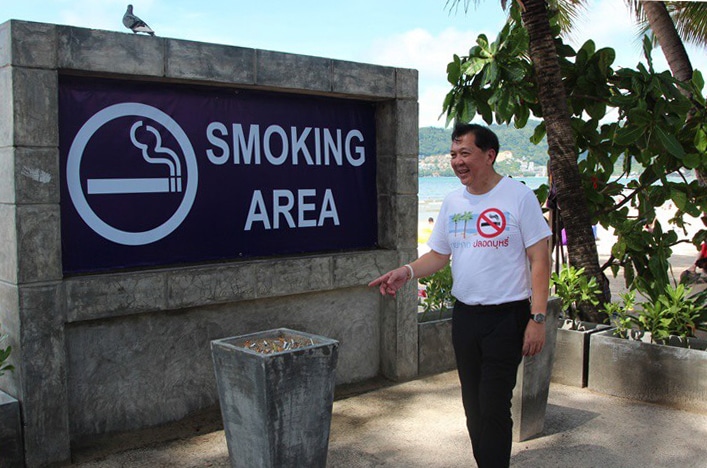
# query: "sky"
{"type": "Point", "coordinates": [419, 34]}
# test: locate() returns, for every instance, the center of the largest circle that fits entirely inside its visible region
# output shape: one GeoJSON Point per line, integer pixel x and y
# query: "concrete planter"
{"type": "Point", "coordinates": [571, 366]}
{"type": "Point", "coordinates": [435, 350]}
{"type": "Point", "coordinates": [276, 407]}
{"type": "Point", "coordinates": [641, 370]}
{"type": "Point", "coordinates": [11, 453]}
{"type": "Point", "coordinates": [533, 382]}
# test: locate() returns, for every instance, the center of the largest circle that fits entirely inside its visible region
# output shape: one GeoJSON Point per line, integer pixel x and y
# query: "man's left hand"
{"type": "Point", "coordinates": [534, 338]}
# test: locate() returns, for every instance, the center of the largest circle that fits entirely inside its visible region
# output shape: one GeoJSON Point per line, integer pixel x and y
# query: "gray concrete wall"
{"type": "Point", "coordinates": [115, 352]}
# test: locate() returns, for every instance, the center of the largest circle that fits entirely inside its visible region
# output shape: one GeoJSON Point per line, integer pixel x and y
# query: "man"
{"type": "Point", "coordinates": [494, 231]}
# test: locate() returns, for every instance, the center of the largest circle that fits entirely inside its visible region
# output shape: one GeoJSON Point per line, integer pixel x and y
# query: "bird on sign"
{"type": "Point", "coordinates": [136, 24]}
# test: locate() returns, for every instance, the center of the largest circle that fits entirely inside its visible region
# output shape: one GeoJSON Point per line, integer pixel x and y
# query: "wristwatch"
{"type": "Point", "coordinates": [538, 318]}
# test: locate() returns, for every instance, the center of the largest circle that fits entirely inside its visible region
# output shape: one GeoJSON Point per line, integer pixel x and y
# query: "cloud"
{"type": "Point", "coordinates": [429, 54]}
{"type": "Point", "coordinates": [420, 49]}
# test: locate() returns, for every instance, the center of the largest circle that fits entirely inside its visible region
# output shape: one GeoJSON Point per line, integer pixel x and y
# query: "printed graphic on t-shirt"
{"type": "Point", "coordinates": [479, 230]}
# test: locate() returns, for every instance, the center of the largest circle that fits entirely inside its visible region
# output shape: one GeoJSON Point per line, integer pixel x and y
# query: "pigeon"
{"type": "Point", "coordinates": [136, 24]}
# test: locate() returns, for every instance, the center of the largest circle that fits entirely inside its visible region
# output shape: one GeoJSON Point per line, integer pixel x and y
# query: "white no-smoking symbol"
{"type": "Point", "coordinates": [491, 223]}
{"type": "Point", "coordinates": [172, 182]}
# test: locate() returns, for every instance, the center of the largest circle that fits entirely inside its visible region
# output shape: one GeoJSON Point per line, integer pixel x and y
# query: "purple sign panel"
{"type": "Point", "coordinates": [156, 174]}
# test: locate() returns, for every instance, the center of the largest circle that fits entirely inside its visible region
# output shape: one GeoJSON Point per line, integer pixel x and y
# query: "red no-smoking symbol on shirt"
{"type": "Point", "coordinates": [491, 223]}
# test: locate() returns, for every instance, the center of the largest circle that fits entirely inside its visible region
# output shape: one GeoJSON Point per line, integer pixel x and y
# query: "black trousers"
{"type": "Point", "coordinates": [488, 345]}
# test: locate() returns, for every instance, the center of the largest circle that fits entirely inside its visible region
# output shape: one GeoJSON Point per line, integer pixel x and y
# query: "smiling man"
{"type": "Point", "coordinates": [493, 230]}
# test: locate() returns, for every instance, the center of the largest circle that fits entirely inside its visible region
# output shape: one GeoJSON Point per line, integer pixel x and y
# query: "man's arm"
{"type": "Point", "coordinates": [539, 257]}
{"type": "Point", "coordinates": [427, 264]}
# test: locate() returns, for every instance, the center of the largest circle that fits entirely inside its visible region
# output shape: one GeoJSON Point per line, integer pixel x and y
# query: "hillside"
{"type": "Point", "coordinates": [518, 156]}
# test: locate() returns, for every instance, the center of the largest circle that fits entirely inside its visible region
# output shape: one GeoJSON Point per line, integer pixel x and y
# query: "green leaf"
{"type": "Point", "coordinates": [522, 116]}
{"type": "Point", "coordinates": [485, 110]}
{"type": "Point", "coordinates": [647, 49]}
{"type": "Point", "coordinates": [697, 80]}
{"type": "Point", "coordinates": [504, 108]}
{"type": "Point", "coordinates": [596, 110]}
{"type": "Point", "coordinates": [515, 73]}
{"type": "Point", "coordinates": [670, 143]}
{"type": "Point", "coordinates": [564, 50]}
{"type": "Point", "coordinates": [701, 140]}
{"type": "Point", "coordinates": [639, 117]}
{"type": "Point", "coordinates": [692, 160]}
{"type": "Point", "coordinates": [447, 101]}
{"type": "Point", "coordinates": [469, 111]}
{"type": "Point", "coordinates": [482, 41]}
{"type": "Point", "coordinates": [628, 134]}
{"type": "Point", "coordinates": [474, 66]}
{"type": "Point", "coordinates": [588, 47]}
{"type": "Point", "coordinates": [622, 100]}
{"type": "Point", "coordinates": [538, 134]}
{"type": "Point", "coordinates": [491, 72]}
{"type": "Point", "coordinates": [606, 57]}
{"type": "Point", "coordinates": [680, 198]}
{"type": "Point", "coordinates": [454, 70]}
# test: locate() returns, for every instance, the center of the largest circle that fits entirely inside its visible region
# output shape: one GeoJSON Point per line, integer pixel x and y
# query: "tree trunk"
{"type": "Point", "coordinates": [670, 42]}
{"type": "Point", "coordinates": [562, 148]}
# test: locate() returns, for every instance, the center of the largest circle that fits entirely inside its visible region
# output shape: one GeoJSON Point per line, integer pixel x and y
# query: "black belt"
{"type": "Point", "coordinates": [523, 304]}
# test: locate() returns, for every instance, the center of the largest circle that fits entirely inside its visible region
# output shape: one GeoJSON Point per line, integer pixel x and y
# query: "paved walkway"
{"type": "Point", "coordinates": [421, 424]}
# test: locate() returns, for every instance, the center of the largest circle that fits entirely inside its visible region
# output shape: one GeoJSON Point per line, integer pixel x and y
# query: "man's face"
{"type": "Point", "coordinates": [470, 162]}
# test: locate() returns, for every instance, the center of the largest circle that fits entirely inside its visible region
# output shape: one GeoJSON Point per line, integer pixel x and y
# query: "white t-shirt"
{"type": "Point", "coordinates": [487, 236]}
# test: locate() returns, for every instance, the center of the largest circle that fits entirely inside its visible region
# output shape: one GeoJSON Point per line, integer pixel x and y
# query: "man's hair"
{"type": "Point", "coordinates": [484, 138]}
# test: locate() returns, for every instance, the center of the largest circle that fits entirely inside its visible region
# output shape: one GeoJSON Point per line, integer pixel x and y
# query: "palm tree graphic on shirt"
{"type": "Point", "coordinates": [466, 217]}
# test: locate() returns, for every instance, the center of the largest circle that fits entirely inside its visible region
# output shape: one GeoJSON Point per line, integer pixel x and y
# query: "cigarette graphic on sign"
{"type": "Point", "coordinates": [173, 183]}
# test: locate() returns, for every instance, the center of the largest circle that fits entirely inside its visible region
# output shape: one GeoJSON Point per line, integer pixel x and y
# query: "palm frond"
{"type": "Point", "coordinates": [690, 20]}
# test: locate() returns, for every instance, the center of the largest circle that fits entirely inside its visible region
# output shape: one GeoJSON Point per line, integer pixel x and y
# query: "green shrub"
{"type": "Point", "coordinates": [439, 291]}
{"type": "Point", "coordinates": [574, 288]}
{"type": "Point", "coordinates": [673, 313]}
{"type": "Point", "coordinates": [622, 314]}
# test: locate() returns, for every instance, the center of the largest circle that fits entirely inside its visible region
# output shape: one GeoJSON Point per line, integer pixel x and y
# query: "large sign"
{"type": "Point", "coordinates": [156, 174]}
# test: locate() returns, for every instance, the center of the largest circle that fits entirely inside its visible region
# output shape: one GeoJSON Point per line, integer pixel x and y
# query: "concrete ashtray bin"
{"type": "Point", "coordinates": [532, 389]}
{"type": "Point", "coordinates": [276, 390]}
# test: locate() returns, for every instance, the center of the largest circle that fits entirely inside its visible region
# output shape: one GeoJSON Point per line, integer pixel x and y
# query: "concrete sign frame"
{"type": "Point", "coordinates": [115, 352]}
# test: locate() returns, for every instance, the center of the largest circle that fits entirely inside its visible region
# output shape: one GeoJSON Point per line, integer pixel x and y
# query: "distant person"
{"type": "Point", "coordinates": [494, 231]}
{"type": "Point", "coordinates": [701, 260]}
{"type": "Point", "coordinates": [691, 275]}
{"type": "Point", "coordinates": [426, 231]}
